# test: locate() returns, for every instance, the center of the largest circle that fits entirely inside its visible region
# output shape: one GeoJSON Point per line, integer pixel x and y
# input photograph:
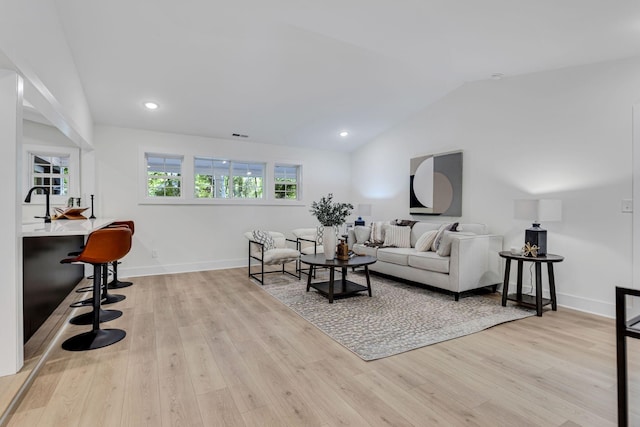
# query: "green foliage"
{"type": "Point", "coordinates": [286, 188]}
{"type": "Point", "coordinates": [330, 213]}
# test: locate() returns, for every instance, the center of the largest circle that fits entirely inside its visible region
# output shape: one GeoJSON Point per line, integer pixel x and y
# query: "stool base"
{"type": "Point", "coordinates": [83, 303]}
{"type": "Point", "coordinates": [93, 339]}
{"type": "Point", "coordinates": [112, 298]}
{"type": "Point", "coordinates": [87, 318]}
{"type": "Point", "coordinates": [117, 284]}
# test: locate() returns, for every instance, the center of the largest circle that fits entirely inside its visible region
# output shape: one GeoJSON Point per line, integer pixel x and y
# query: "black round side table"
{"type": "Point", "coordinates": [535, 301]}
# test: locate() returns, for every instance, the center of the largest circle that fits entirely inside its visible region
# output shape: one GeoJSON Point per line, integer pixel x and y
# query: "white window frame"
{"type": "Point", "coordinates": [298, 180]}
{"type": "Point", "coordinates": [30, 150]}
{"type": "Point", "coordinates": [180, 178]}
{"type": "Point", "coordinates": [187, 194]}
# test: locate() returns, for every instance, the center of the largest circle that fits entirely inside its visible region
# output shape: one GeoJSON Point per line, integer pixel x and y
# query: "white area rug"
{"type": "Point", "coordinates": [397, 318]}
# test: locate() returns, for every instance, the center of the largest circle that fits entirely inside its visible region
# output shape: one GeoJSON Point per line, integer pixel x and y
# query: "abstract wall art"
{"type": "Point", "coordinates": [436, 185]}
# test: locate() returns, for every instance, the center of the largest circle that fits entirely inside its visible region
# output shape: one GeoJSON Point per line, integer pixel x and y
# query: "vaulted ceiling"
{"type": "Point", "coordinates": [297, 72]}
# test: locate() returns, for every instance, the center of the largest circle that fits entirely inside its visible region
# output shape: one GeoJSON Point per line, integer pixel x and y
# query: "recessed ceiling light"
{"type": "Point", "coordinates": [344, 133]}
{"type": "Point", "coordinates": [151, 105]}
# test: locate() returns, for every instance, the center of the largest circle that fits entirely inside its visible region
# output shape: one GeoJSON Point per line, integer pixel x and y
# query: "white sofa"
{"type": "Point", "coordinates": [472, 263]}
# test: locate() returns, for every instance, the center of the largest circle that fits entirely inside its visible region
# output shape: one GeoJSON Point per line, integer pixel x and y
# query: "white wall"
{"type": "Point", "coordinates": [559, 134]}
{"type": "Point", "coordinates": [32, 39]}
{"type": "Point", "coordinates": [198, 237]}
{"type": "Point", "coordinates": [11, 334]}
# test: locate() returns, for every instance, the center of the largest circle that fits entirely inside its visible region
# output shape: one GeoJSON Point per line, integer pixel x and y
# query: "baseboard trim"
{"type": "Point", "coordinates": [155, 270]}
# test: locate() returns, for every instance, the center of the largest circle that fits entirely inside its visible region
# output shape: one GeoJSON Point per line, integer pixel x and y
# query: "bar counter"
{"type": "Point", "coordinates": [45, 281]}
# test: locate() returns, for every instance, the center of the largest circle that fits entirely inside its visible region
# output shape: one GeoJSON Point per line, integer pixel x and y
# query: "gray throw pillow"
{"type": "Point", "coordinates": [264, 238]}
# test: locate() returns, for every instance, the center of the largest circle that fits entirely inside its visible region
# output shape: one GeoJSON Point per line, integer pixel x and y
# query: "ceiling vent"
{"type": "Point", "coordinates": [240, 135]}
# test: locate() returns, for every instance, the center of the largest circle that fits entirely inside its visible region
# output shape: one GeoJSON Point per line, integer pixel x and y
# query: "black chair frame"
{"type": "Point", "coordinates": [299, 268]}
{"type": "Point", "coordinates": [624, 328]}
{"type": "Point", "coordinates": [262, 272]}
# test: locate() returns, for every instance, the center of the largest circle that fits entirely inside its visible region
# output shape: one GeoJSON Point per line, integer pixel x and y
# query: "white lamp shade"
{"type": "Point", "coordinates": [364, 209]}
{"type": "Point", "coordinates": [550, 210]}
{"type": "Point", "coordinates": [538, 210]}
{"type": "Point", "coordinates": [525, 209]}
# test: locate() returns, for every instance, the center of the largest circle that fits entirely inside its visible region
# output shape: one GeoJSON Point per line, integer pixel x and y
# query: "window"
{"type": "Point", "coordinates": [286, 182]}
{"type": "Point", "coordinates": [211, 178]}
{"type": "Point", "coordinates": [225, 179]}
{"type": "Point", "coordinates": [164, 175]}
{"type": "Point", "coordinates": [52, 172]}
{"type": "Point", "coordinates": [248, 180]}
{"type": "Point", "coordinates": [54, 167]}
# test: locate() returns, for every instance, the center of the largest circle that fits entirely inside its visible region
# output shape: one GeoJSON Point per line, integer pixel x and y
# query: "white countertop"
{"type": "Point", "coordinates": [64, 227]}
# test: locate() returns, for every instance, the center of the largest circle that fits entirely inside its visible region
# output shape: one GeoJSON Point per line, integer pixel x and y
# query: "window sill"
{"type": "Point", "coordinates": [221, 202]}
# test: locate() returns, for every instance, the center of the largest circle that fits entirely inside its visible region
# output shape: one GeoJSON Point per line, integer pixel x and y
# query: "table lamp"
{"type": "Point", "coordinates": [537, 211]}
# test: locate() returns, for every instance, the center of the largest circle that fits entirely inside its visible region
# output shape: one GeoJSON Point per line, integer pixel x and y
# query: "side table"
{"type": "Point", "coordinates": [536, 301]}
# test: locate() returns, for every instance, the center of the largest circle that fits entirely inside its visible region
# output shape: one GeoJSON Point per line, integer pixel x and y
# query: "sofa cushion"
{"type": "Point", "coordinates": [312, 250]}
{"type": "Point", "coordinates": [361, 249]}
{"type": "Point", "coordinates": [278, 255]}
{"type": "Point", "coordinates": [398, 256]}
{"type": "Point", "coordinates": [397, 236]}
{"type": "Point", "coordinates": [426, 240]}
{"type": "Point", "coordinates": [429, 261]}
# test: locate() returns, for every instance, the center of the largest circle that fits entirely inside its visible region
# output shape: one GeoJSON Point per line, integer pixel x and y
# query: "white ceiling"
{"type": "Point", "coordinates": [297, 72]}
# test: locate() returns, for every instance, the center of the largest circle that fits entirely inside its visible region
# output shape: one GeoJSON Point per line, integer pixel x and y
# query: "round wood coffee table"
{"type": "Point", "coordinates": [345, 287]}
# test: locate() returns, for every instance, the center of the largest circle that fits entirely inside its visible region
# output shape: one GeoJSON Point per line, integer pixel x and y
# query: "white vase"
{"type": "Point", "coordinates": [329, 242]}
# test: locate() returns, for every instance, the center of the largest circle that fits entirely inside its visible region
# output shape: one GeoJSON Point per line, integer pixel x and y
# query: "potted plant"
{"type": "Point", "coordinates": [330, 214]}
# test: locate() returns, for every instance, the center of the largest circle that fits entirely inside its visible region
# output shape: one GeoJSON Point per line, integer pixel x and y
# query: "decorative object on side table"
{"type": "Point", "coordinates": [330, 214]}
{"type": "Point", "coordinates": [537, 210]}
{"type": "Point", "coordinates": [92, 215]}
{"type": "Point", "coordinates": [529, 250]}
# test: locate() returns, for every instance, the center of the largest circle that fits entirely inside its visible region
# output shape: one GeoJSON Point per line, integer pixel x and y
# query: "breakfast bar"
{"type": "Point", "coordinates": [46, 282]}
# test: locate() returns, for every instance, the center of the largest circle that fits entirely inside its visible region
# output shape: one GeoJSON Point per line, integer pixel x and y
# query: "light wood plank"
{"type": "Point", "coordinates": [213, 348]}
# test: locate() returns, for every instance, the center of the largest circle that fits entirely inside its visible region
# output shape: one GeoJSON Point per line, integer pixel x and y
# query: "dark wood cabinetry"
{"type": "Point", "coordinates": [46, 282]}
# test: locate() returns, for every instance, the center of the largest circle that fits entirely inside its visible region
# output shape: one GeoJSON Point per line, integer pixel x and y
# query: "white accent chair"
{"type": "Point", "coordinates": [279, 255]}
{"type": "Point", "coordinates": [309, 243]}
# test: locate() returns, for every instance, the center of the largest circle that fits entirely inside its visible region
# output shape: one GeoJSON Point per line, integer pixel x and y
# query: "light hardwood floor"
{"type": "Point", "coordinates": [213, 349]}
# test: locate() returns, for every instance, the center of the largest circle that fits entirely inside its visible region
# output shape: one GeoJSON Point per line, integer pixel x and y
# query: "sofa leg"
{"type": "Point", "coordinates": [457, 296]}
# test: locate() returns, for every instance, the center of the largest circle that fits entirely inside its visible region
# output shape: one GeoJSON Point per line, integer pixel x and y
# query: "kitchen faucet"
{"type": "Point", "coordinates": [47, 217]}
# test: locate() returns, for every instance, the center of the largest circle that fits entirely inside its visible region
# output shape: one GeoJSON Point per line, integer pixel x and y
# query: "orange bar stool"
{"type": "Point", "coordinates": [103, 247]}
{"type": "Point", "coordinates": [115, 283]}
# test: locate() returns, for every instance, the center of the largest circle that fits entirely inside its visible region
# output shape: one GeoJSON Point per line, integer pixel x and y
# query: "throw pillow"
{"type": "Point", "coordinates": [362, 233]}
{"type": "Point", "coordinates": [397, 236]}
{"type": "Point", "coordinates": [264, 238]}
{"type": "Point", "coordinates": [426, 240]}
{"type": "Point", "coordinates": [444, 249]}
{"type": "Point", "coordinates": [445, 244]}
{"type": "Point", "coordinates": [404, 222]}
{"type": "Point", "coordinates": [440, 233]}
{"type": "Point", "coordinates": [377, 232]}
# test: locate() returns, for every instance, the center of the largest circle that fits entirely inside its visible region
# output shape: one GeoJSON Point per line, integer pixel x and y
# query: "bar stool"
{"type": "Point", "coordinates": [115, 283]}
{"type": "Point", "coordinates": [102, 247]}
